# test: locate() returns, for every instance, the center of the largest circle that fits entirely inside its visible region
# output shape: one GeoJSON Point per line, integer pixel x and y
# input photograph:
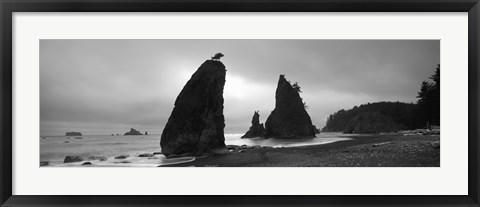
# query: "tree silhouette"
{"type": "Point", "coordinates": [217, 56]}
{"type": "Point", "coordinates": [305, 105]}
{"type": "Point", "coordinates": [297, 87]}
{"type": "Point", "coordinates": [425, 92]}
{"type": "Point", "coordinates": [429, 100]}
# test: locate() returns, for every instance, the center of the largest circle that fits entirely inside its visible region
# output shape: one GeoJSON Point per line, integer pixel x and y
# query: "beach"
{"type": "Point", "coordinates": [325, 150]}
{"type": "Point", "coordinates": [142, 150]}
{"type": "Point", "coordinates": [382, 150]}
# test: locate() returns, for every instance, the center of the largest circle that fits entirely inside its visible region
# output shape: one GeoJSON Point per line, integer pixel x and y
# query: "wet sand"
{"type": "Point", "coordinates": [392, 150]}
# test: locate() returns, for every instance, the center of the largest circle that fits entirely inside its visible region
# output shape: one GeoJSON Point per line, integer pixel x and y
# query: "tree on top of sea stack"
{"type": "Point", "coordinates": [217, 57]}
{"type": "Point", "coordinates": [196, 125]}
{"type": "Point", "coordinates": [428, 109]}
{"type": "Point", "coordinates": [289, 119]}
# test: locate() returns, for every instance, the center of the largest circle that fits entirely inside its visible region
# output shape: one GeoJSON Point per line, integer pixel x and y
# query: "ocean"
{"type": "Point", "coordinates": [54, 149]}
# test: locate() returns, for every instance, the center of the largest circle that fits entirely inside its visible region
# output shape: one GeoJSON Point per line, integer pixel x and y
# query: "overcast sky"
{"type": "Point", "coordinates": [110, 86]}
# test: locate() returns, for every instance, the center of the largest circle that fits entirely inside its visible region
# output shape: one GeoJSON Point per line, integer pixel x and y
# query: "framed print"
{"type": "Point", "coordinates": [185, 103]}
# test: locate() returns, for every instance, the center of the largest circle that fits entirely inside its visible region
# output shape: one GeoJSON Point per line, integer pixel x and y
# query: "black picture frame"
{"type": "Point", "coordinates": [7, 7]}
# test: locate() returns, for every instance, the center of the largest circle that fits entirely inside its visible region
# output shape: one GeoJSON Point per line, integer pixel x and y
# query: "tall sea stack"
{"type": "Point", "coordinates": [289, 119]}
{"type": "Point", "coordinates": [257, 129]}
{"type": "Point", "coordinates": [196, 125]}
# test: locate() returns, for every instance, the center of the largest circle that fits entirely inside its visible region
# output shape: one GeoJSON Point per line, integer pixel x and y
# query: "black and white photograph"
{"type": "Point", "coordinates": [239, 103]}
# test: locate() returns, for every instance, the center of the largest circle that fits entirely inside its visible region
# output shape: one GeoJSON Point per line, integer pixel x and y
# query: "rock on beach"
{"type": "Point", "coordinates": [69, 159]}
{"type": "Point", "coordinates": [121, 157]}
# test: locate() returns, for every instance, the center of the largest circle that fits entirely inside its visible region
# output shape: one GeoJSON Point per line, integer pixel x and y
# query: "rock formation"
{"type": "Point", "coordinates": [86, 163]}
{"type": "Point", "coordinates": [289, 119]}
{"type": "Point", "coordinates": [146, 155]}
{"type": "Point", "coordinates": [196, 125]}
{"type": "Point", "coordinates": [73, 134]}
{"type": "Point", "coordinates": [121, 157]}
{"type": "Point", "coordinates": [101, 158]}
{"type": "Point", "coordinates": [257, 129]}
{"type": "Point", "coordinates": [69, 159]}
{"type": "Point", "coordinates": [133, 132]}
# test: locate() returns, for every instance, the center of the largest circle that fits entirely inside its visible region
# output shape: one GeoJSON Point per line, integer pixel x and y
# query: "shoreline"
{"type": "Point", "coordinates": [390, 150]}
{"type": "Point", "coordinates": [355, 150]}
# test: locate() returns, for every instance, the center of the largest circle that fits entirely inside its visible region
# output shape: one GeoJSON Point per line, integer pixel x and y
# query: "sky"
{"type": "Point", "coordinates": [103, 87]}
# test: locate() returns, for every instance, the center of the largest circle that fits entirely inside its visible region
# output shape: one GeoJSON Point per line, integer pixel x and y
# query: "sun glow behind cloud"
{"type": "Point", "coordinates": [237, 87]}
{"type": "Point", "coordinates": [243, 97]}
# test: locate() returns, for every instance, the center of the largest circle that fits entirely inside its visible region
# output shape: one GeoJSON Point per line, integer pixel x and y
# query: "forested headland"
{"type": "Point", "coordinates": [391, 116]}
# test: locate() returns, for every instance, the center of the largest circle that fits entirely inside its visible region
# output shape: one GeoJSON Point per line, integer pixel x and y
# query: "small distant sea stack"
{"type": "Point", "coordinates": [289, 119]}
{"type": "Point", "coordinates": [257, 129]}
{"type": "Point", "coordinates": [133, 132]}
{"type": "Point", "coordinates": [73, 134]}
{"type": "Point", "coordinates": [196, 125]}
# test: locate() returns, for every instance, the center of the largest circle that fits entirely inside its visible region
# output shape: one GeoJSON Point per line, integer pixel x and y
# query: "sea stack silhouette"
{"type": "Point", "coordinates": [73, 134]}
{"type": "Point", "coordinates": [133, 132]}
{"type": "Point", "coordinates": [289, 119]}
{"type": "Point", "coordinates": [257, 129]}
{"type": "Point", "coordinates": [196, 125]}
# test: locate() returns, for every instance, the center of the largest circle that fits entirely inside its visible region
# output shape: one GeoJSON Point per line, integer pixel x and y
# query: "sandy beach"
{"type": "Point", "coordinates": [388, 150]}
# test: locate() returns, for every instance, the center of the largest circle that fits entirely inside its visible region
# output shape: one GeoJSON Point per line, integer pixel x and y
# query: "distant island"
{"type": "Point", "coordinates": [73, 134]}
{"type": "Point", "coordinates": [133, 132]}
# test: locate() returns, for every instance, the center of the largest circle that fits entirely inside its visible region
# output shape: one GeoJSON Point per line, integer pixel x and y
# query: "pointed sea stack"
{"type": "Point", "coordinates": [257, 129]}
{"type": "Point", "coordinates": [196, 125]}
{"type": "Point", "coordinates": [289, 119]}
